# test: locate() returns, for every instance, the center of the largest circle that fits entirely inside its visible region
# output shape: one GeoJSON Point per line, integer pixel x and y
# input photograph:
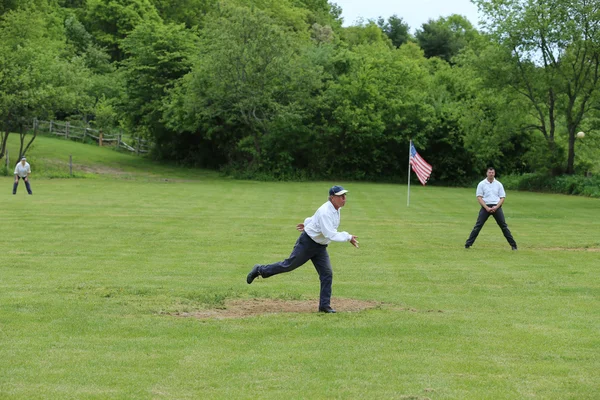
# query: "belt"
{"type": "Point", "coordinates": [313, 240]}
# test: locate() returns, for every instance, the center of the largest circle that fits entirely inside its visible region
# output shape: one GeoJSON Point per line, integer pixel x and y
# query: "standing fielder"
{"type": "Point", "coordinates": [490, 195]}
{"type": "Point", "coordinates": [22, 171]}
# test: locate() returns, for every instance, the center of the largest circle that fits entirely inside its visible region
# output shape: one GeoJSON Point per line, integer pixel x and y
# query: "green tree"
{"type": "Point", "coordinates": [250, 72]}
{"type": "Point", "coordinates": [371, 110]}
{"type": "Point", "coordinates": [8, 5]}
{"type": "Point", "coordinates": [555, 60]}
{"type": "Point", "coordinates": [83, 45]}
{"type": "Point", "coordinates": [396, 29]}
{"type": "Point", "coordinates": [364, 34]}
{"type": "Point", "coordinates": [188, 12]}
{"type": "Point", "coordinates": [37, 76]}
{"type": "Point", "coordinates": [450, 94]}
{"type": "Point", "coordinates": [291, 14]}
{"type": "Point", "coordinates": [495, 118]}
{"type": "Point", "coordinates": [104, 86]}
{"type": "Point", "coordinates": [156, 57]}
{"type": "Point", "coordinates": [321, 12]}
{"type": "Point", "coordinates": [587, 158]}
{"type": "Point", "coordinates": [72, 3]}
{"type": "Point", "coordinates": [445, 37]}
{"type": "Point", "coordinates": [109, 21]}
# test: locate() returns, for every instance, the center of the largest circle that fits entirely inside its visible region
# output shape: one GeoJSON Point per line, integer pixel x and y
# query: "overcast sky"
{"type": "Point", "coordinates": [413, 12]}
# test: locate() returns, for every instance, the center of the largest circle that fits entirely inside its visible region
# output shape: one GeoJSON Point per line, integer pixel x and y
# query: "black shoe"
{"type": "Point", "coordinates": [327, 310]}
{"type": "Point", "coordinates": [253, 274]}
{"type": "Point", "coordinates": [514, 247]}
{"type": "Point", "coordinates": [467, 246]}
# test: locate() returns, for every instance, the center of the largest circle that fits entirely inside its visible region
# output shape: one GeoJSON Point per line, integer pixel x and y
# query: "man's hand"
{"type": "Point", "coordinates": [354, 242]}
{"type": "Point", "coordinates": [300, 227]}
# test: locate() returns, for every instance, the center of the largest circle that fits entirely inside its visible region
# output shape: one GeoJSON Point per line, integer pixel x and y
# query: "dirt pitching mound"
{"type": "Point", "coordinates": [252, 307]}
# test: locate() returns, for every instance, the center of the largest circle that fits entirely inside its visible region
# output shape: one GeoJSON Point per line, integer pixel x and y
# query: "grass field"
{"type": "Point", "coordinates": [96, 272]}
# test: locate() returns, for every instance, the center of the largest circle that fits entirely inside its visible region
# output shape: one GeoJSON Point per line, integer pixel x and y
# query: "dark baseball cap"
{"type": "Point", "coordinates": [337, 191]}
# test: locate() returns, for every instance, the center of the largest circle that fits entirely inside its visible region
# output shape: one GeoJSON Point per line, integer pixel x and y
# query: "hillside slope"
{"type": "Point", "coordinates": [49, 158]}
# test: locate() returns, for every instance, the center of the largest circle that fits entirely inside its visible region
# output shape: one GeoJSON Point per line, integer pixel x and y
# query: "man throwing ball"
{"type": "Point", "coordinates": [317, 232]}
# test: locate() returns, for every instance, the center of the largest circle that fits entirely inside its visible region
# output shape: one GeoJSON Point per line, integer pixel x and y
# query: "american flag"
{"type": "Point", "coordinates": [419, 165]}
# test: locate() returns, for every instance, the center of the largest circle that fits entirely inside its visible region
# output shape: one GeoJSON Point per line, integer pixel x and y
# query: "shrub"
{"type": "Point", "coordinates": [565, 184]}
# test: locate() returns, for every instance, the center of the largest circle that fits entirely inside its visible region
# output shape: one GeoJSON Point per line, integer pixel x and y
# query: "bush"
{"type": "Point", "coordinates": [564, 184]}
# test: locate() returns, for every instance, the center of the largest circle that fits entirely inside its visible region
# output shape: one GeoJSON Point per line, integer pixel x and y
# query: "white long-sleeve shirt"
{"type": "Point", "coordinates": [491, 192]}
{"type": "Point", "coordinates": [22, 170]}
{"type": "Point", "coordinates": [322, 227]}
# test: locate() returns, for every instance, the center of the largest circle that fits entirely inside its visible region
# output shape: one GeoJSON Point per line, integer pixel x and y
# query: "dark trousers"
{"type": "Point", "coordinates": [26, 185]}
{"type": "Point", "coordinates": [483, 217]}
{"type": "Point", "coordinates": [306, 249]}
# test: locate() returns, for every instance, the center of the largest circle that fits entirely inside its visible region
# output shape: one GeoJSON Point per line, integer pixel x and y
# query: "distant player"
{"type": "Point", "coordinates": [22, 171]}
{"type": "Point", "coordinates": [490, 195]}
{"type": "Point", "coordinates": [317, 232]}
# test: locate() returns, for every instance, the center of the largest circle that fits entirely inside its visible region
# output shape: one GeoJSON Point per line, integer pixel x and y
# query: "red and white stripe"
{"type": "Point", "coordinates": [419, 165]}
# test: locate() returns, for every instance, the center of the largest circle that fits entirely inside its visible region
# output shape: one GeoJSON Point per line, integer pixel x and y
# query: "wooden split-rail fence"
{"type": "Point", "coordinates": [136, 145]}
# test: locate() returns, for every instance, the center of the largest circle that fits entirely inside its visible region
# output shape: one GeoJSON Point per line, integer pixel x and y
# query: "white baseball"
{"type": "Point", "coordinates": [580, 135]}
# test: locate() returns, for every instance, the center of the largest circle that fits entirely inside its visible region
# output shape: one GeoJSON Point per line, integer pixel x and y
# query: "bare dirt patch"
{"type": "Point", "coordinates": [590, 249]}
{"type": "Point", "coordinates": [251, 307]}
{"type": "Point", "coordinates": [99, 169]}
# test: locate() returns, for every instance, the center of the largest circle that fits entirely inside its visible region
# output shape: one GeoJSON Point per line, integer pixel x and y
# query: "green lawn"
{"type": "Point", "coordinates": [49, 158]}
{"type": "Point", "coordinates": [94, 269]}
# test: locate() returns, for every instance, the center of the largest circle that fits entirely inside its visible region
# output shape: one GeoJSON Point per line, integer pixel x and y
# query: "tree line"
{"type": "Point", "coordinates": [280, 89]}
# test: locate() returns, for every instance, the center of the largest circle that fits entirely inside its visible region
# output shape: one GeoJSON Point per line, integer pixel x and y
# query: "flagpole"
{"type": "Point", "coordinates": [408, 192]}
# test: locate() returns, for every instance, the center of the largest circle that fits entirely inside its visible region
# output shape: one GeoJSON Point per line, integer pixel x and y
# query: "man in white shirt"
{"type": "Point", "coordinates": [490, 195]}
{"type": "Point", "coordinates": [317, 232]}
{"type": "Point", "coordinates": [22, 171]}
